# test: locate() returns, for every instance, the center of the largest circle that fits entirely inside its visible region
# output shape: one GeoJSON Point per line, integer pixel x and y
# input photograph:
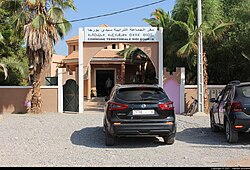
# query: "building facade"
{"type": "Point", "coordinates": [109, 60]}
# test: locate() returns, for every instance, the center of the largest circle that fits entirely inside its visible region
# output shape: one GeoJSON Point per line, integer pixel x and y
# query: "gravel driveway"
{"type": "Point", "coordinates": [77, 140]}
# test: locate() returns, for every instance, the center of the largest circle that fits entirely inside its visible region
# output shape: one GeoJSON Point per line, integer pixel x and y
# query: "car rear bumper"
{"type": "Point", "coordinates": [143, 129]}
{"type": "Point", "coordinates": [242, 119]}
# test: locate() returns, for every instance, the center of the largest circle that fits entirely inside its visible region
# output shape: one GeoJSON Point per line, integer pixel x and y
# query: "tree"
{"type": "Point", "coordinates": [12, 56]}
{"type": "Point", "coordinates": [41, 22]}
{"type": "Point", "coordinates": [172, 38]}
{"type": "Point", "coordinates": [188, 45]}
{"type": "Point", "coordinates": [213, 33]}
{"type": "Point", "coordinates": [234, 49]}
{"type": "Point", "coordinates": [17, 72]}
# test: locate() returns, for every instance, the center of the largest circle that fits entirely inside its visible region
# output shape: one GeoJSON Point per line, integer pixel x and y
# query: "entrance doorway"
{"type": "Point", "coordinates": [71, 96]}
{"type": "Point", "coordinates": [101, 77]}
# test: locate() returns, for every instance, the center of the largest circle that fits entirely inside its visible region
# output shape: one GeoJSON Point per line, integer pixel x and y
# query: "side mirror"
{"type": "Point", "coordinates": [212, 100]}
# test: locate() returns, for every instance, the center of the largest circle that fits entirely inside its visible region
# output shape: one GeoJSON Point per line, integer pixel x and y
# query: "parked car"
{"type": "Point", "coordinates": [138, 110]}
{"type": "Point", "coordinates": [230, 111]}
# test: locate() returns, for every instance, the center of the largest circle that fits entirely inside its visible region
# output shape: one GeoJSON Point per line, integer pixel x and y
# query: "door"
{"type": "Point", "coordinates": [223, 104]}
{"type": "Point", "coordinates": [101, 77]}
{"type": "Point", "coordinates": [70, 96]}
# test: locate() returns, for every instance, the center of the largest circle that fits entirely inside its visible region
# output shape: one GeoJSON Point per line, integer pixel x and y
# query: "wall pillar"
{"type": "Point", "coordinates": [81, 71]}
{"type": "Point", "coordinates": [89, 82]}
{"type": "Point", "coordinates": [182, 91]}
{"type": "Point", "coordinates": [60, 90]}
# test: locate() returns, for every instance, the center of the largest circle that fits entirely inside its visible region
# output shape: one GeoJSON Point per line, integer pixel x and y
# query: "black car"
{"type": "Point", "coordinates": [231, 110]}
{"type": "Point", "coordinates": [138, 110]}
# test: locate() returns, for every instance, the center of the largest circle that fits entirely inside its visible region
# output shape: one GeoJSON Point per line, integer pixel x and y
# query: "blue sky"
{"type": "Point", "coordinates": [90, 8]}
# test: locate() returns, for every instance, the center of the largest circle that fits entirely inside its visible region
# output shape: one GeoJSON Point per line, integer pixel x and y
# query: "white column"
{"type": "Point", "coordinates": [60, 90]}
{"type": "Point", "coordinates": [182, 91]}
{"type": "Point", "coordinates": [81, 71]}
{"type": "Point", "coordinates": [89, 81]}
{"type": "Point", "coordinates": [200, 63]}
{"type": "Point", "coordinates": [160, 62]}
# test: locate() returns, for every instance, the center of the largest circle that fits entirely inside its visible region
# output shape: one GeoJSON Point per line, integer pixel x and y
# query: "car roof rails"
{"type": "Point", "coordinates": [235, 82]}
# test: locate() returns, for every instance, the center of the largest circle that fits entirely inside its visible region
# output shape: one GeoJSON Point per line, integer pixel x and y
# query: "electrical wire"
{"type": "Point", "coordinates": [114, 13]}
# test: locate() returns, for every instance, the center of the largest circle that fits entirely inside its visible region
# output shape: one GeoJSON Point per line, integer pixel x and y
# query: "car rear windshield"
{"type": "Point", "coordinates": [135, 94]}
{"type": "Point", "coordinates": [244, 91]}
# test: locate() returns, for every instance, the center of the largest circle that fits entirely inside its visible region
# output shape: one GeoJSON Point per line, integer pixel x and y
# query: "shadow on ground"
{"type": "Point", "coordinates": [204, 136]}
{"type": "Point", "coordinates": [94, 137]}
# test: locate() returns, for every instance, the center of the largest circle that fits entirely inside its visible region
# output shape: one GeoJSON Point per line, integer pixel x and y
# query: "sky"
{"type": "Point", "coordinates": [91, 8]}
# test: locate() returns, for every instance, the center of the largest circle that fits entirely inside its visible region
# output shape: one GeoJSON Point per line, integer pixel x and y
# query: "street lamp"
{"type": "Point", "coordinates": [200, 62]}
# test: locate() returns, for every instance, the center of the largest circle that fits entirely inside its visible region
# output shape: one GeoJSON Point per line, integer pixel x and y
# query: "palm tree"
{"type": "Point", "coordinates": [172, 40]}
{"type": "Point", "coordinates": [189, 48]}
{"type": "Point", "coordinates": [42, 22]}
{"type": "Point", "coordinates": [213, 33]}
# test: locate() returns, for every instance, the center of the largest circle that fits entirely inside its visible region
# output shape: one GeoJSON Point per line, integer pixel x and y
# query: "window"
{"type": "Point", "coordinates": [245, 91]}
{"type": "Point", "coordinates": [141, 95]}
{"type": "Point", "coordinates": [74, 48]}
{"type": "Point", "coordinates": [113, 46]}
{"type": "Point", "coordinates": [226, 94]}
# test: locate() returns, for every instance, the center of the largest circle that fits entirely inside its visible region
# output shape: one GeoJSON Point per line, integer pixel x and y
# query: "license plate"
{"type": "Point", "coordinates": [143, 112]}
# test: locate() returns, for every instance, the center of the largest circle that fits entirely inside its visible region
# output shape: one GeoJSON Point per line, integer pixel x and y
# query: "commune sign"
{"type": "Point", "coordinates": [119, 34]}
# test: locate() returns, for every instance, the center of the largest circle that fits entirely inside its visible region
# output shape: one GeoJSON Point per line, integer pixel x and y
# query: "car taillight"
{"type": "Point", "coordinates": [117, 106]}
{"type": "Point", "coordinates": [236, 107]}
{"type": "Point", "coordinates": [166, 106]}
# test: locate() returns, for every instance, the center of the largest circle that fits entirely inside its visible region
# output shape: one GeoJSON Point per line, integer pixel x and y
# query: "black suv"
{"type": "Point", "coordinates": [231, 110]}
{"type": "Point", "coordinates": [138, 110]}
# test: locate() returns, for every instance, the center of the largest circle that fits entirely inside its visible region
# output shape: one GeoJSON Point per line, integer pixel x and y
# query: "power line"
{"type": "Point", "coordinates": [117, 12]}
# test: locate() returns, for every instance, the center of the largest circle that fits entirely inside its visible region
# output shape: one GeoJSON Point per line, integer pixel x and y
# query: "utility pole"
{"type": "Point", "coordinates": [200, 62]}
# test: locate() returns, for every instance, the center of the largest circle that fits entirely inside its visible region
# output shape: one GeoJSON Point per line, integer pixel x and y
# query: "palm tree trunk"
{"type": "Point", "coordinates": [205, 81]}
{"type": "Point", "coordinates": [36, 102]}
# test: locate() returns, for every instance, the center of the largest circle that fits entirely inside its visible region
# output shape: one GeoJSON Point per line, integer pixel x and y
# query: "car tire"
{"type": "Point", "coordinates": [231, 134]}
{"type": "Point", "coordinates": [214, 128]}
{"type": "Point", "coordinates": [169, 140]}
{"type": "Point", "coordinates": [109, 139]}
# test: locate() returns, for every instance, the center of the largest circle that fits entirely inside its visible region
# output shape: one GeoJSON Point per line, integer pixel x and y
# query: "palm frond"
{"type": "Point", "coordinates": [245, 56]}
{"type": "Point", "coordinates": [1, 38]}
{"type": "Point", "coordinates": [182, 25]}
{"type": "Point", "coordinates": [5, 70]}
{"type": "Point", "coordinates": [55, 14]}
{"type": "Point", "coordinates": [152, 21]}
{"type": "Point", "coordinates": [39, 22]}
{"type": "Point", "coordinates": [63, 27]}
{"type": "Point", "coordinates": [218, 31]}
{"type": "Point", "coordinates": [191, 19]}
{"type": "Point", "coordinates": [69, 4]}
{"type": "Point", "coordinates": [187, 49]}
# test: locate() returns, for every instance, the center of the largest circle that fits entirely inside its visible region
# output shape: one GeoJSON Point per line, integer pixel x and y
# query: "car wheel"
{"type": "Point", "coordinates": [231, 134]}
{"type": "Point", "coordinates": [169, 140]}
{"type": "Point", "coordinates": [214, 128]}
{"type": "Point", "coordinates": [109, 139]}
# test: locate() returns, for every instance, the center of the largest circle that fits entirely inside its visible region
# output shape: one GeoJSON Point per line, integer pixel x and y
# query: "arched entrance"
{"type": "Point", "coordinates": [93, 39]}
{"type": "Point", "coordinates": [71, 96]}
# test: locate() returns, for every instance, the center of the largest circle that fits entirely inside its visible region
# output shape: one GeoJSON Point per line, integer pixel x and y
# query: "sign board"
{"type": "Point", "coordinates": [120, 34]}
